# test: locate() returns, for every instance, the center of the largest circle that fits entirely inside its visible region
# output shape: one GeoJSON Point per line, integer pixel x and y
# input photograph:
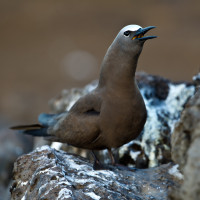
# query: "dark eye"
{"type": "Point", "coordinates": [127, 33]}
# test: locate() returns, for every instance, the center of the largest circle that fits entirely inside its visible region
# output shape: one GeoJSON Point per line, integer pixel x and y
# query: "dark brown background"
{"type": "Point", "coordinates": [39, 40]}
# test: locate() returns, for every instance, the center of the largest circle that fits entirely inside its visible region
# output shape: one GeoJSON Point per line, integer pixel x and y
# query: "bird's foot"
{"type": "Point", "coordinates": [97, 165]}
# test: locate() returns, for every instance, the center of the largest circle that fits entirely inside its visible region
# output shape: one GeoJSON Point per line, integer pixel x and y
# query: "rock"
{"type": "Point", "coordinates": [164, 100]}
{"type": "Point", "coordinates": [185, 149]}
{"type": "Point", "coordinates": [11, 147]}
{"type": "Point", "coordinates": [50, 174]}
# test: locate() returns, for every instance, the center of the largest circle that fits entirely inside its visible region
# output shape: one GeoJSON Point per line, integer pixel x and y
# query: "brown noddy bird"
{"type": "Point", "coordinates": [113, 113]}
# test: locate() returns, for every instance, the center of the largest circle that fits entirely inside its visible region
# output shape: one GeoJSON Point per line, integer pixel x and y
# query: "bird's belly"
{"type": "Point", "coordinates": [123, 125]}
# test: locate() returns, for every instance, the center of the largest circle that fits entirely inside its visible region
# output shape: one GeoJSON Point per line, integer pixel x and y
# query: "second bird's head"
{"type": "Point", "coordinates": [131, 38]}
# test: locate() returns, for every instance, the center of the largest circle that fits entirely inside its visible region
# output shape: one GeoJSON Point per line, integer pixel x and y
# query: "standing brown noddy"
{"type": "Point", "coordinates": [113, 113]}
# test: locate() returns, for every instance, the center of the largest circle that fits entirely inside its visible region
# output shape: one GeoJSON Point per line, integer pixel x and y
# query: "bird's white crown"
{"type": "Point", "coordinates": [132, 27]}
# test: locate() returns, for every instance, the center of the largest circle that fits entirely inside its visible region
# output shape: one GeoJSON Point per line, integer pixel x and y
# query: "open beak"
{"type": "Point", "coordinates": [140, 33]}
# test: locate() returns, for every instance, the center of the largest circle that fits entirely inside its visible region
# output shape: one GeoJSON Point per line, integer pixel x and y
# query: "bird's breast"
{"type": "Point", "coordinates": [122, 119]}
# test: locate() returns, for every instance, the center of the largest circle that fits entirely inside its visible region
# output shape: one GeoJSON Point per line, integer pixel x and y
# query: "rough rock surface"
{"type": "Point", "coordinates": [11, 147]}
{"type": "Point", "coordinates": [185, 150]}
{"type": "Point", "coordinates": [164, 101]}
{"type": "Point", "coordinates": [50, 174]}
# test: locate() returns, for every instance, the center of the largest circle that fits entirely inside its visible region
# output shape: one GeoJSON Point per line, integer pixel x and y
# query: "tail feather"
{"type": "Point", "coordinates": [49, 119]}
{"type": "Point", "coordinates": [33, 129]}
{"type": "Point", "coordinates": [45, 121]}
{"type": "Point", "coordinates": [27, 127]}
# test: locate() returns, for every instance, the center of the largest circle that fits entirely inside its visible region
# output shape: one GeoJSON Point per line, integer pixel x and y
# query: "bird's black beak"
{"type": "Point", "coordinates": [139, 35]}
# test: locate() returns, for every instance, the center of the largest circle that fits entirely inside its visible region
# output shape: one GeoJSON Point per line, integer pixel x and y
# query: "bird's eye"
{"type": "Point", "coordinates": [127, 33]}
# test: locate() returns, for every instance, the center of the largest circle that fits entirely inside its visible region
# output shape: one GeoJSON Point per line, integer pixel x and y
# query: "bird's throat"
{"type": "Point", "coordinates": [118, 69]}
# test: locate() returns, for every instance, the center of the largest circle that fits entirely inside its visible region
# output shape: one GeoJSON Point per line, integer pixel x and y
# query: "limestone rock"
{"type": "Point", "coordinates": [186, 130]}
{"type": "Point", "coordinates": [185, 150]}
{"type": "Point", "coordinates": [50, 174]}
{"type": "Point", "coordinates": [11, 147]}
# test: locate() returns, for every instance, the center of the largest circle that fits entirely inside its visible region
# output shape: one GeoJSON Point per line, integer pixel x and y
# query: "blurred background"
{"type": "Point", "coordinates": [47, 45]}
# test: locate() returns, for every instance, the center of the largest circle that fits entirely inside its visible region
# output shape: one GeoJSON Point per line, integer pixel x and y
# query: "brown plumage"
{"type": "Point", "coordinates": [112, 114]}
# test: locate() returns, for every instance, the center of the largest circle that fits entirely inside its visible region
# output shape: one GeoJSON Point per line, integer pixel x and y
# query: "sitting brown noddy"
{"type": "Point", "coordinates": [112, 114]}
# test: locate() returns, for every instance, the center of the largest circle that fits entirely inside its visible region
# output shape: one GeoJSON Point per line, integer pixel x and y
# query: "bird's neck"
{"type": "Point", "coordinates": [118, 68]}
